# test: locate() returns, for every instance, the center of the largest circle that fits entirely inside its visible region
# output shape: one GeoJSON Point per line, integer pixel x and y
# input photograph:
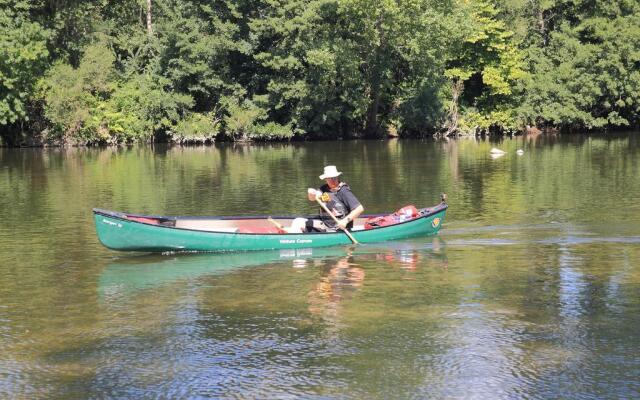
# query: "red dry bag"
{"type": "Point", "coordinates": [404, 214]}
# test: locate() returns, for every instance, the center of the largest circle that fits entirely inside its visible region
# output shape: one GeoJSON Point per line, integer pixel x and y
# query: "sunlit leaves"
{"type": "Point", "coordinates": [23, 54]}
{"type": "Point", "coordinates": [588, 75]}
{"type": "Point", "coordinates": [91, 104]}
{"type": "Point", "coordinates": [484, 69]}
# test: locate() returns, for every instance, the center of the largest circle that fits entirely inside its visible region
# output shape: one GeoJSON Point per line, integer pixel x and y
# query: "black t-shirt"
{"type": "Point", "coordinates": [342, 202]}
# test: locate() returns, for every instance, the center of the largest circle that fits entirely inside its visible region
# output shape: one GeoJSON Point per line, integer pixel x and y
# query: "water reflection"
{"type": "Point", "coordinates": [339, 281]}
{"type": "Point", "coordinates": [408, 258]}
{"type": "Point", "coordinates": [572, 284]}
{"type": "Point", "coordinates": [615, 285]}
{"type": "Point", "coordinates": [130, 274]}
{"type": "Point", "coordinates": [533, 295]}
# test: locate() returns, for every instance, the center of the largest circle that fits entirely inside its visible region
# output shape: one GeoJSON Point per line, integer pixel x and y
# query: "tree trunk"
{"type": "Point", "coordinates": [454, 113]}
{"type": "Point", "coordinates": [371, 127]}
{"type": "Point", "coordinates": [149, 27]}
{"type": "Point", "coordinates": [542, 26]}
{"type": "Point", "coordinates": [375, 77]}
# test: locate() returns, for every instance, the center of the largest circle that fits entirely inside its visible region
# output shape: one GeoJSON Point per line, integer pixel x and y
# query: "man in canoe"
{"type": "Point", "coordinates": [338, 198]}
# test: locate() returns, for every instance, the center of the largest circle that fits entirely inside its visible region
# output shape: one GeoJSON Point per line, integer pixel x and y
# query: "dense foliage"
{"type": "Point", "coordinates": [117, 71]}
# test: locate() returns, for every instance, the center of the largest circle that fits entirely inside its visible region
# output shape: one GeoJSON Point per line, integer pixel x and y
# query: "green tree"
{"type": "Point", "coordinates": [74, 96]}
{"type": "Point", "coordinates": [197, 43]}
{"type": "Point", "coordinates": [484, 68]}
{"type": "Point", "coordinates": [23, 56]}
{"type": "Point", "coordinates": [294, 63]}
{"type": "Point", "coordinates": [121, 70]}
{"type": "Point", "coordinates": [395, 44]}
{"type": "Point", "coordinates": [351, 66]}
{"type": "Point", "coordinates": [92, 104]}
{"type": "Point", "coordinates": [197, 128]}
{"type": "Point", "coordinates": [586, 75]}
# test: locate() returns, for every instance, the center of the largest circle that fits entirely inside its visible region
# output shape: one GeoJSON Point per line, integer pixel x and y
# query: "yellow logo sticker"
{"type": "Point", "coordinates": [436, 222]}
{"type": "Point", "coordinates": [325, 197]}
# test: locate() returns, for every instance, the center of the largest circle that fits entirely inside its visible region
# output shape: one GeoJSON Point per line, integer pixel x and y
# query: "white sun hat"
{"type": "Point", "coordinates": [330, 171]}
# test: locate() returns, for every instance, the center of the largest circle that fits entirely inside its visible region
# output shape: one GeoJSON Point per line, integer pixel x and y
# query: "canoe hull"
{"type": "Point", "coordinates": [117, 232]}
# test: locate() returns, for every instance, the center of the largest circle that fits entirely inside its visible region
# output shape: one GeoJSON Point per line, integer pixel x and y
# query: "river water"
{"type": "Point", "coordinates": [531, 289]}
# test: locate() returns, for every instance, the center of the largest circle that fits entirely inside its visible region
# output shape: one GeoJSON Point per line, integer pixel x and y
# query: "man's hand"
{"type": "Point", "coordinates": [342, 224]}
{"type": "Point", "coordinates": [312, 194]}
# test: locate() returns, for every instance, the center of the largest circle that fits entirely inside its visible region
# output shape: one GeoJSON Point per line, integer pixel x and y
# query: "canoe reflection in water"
{"type": "Point", "coordinates": [131, 274]}
{"type": "Point", "coordinates": [341, 277]}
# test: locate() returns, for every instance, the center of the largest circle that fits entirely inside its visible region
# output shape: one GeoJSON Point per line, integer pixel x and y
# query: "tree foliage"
{"type": "Point", "coordinates": [23, 56]}
{"type": "Point", "coordinates": [484, 71]}
{"type": "Point", "coordinates": [588, 75]}
{"type": "Point", "coordinates": [91, 104]}
{"type": "Point", "coordinates": [114, 71]}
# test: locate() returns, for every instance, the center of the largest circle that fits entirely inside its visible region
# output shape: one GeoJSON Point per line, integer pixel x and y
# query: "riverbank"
{"type": "Point", "coordinates": [208, 141]}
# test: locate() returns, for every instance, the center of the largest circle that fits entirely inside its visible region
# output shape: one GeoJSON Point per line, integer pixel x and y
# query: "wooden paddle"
{"type": "Point", "coordinates": [345, 230]}
{"type": "Point", "coordinates": [276, 224]}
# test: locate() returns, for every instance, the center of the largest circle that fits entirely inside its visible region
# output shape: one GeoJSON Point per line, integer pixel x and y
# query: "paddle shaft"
{"type": "Point", "coordinates": [345, 230]}
{"type": "Point", "coordinates": [275, 223]}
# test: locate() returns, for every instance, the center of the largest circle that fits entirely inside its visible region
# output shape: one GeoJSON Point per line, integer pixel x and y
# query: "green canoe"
{"type": "Point", "coordinates": [132, 232]}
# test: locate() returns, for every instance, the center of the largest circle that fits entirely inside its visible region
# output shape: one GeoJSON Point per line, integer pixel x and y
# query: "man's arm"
{"type": "Point", "coordinates": [355, 213]}
{"type": "Point", "coordinates": [354, 205]}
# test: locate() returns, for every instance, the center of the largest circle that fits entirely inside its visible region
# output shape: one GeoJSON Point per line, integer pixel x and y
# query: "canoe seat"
{"type": "Point", "coordinates": [260, 229]}
{"type": "Point", "coordinates": [207, 225]}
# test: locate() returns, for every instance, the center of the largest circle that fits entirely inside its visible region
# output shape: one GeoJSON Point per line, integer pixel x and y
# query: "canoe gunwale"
{"type": "Point", "coordinates": [124, 217]}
